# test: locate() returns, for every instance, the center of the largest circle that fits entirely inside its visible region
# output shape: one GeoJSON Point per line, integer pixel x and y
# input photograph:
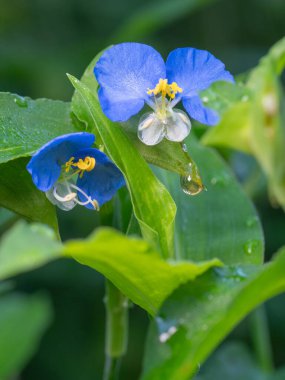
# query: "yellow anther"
{"type": "Point", "coordinates": [87, 164]}
{"type": "Point", "coordinates": [165, 89]}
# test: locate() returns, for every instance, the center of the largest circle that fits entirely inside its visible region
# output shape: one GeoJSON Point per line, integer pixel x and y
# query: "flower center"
{"type": "Point", "coordinates": [87, 164]}
{"type": "Point", "coordinates": [165, 89]}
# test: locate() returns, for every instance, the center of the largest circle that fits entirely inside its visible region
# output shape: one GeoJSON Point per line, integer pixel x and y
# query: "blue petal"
{"type": "Point", "coordinates": [197, 111]}
{"type": "Point", "coordinates": [45, 165]}
{"type": "Point", "coordinates": [103, 181]}
{"type": "Point", "coordinates": [125, 72]}
{"type": "Point", "coordinates": [195, 70]}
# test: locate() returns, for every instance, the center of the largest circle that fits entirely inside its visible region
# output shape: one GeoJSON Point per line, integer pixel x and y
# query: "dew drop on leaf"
{"type": "Point", "coordinates": [21, 102]}
{"type": "Point", "coordinates": [251, 246]}
{"type": "Point", "coordinates": [191, 182]}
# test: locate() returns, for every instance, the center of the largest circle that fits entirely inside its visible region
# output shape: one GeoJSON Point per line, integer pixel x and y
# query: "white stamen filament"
{"type": "Point", "coordinates": [72, 196]}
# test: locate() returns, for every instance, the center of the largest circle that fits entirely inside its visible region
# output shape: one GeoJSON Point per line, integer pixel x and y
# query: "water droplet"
{"type": "Point", "coordinates": [21, 102]}
{"type": "Point", "coordinates": [184, 147]}
{"type": "Point", "coordinates": [163, 337]}
{"type": "Point", "coordinates": [251, 246]}
{"type": "Point", "coordinates": [205, 99]}
{"type": "Point", "coordinates": [191, 183]}
{"type": "Point", "coordinates": [222, 180]}
{"type": "Point", "coordinates": [251, 221]}
{"type": "Point", "coordinates": [166, 329]}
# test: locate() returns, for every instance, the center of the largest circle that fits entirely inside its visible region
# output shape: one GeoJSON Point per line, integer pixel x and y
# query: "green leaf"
{"type": "Point", "coordinates": [198, 315]}
{"type": "Point", "coordinates": [154, 16]}
{"type": "Point", "coordinates": [233, 129]}
{"type": "Point", "coordinates": [26, 124]}
{"type": "Point", "coordinates": [220, 222]}
{"type": "Point", "coordinates": [234, 361]}
{"type": "Point", "coordinates": [277, 56]}
{"type": "Point", "coordinates": [25, 247]}
{"type": "Point", "coordinates": [19, 194]}
{"type": "Point", "coordinates": [23, 321]}
{"type": "Point", "coordinates": [257, 126]}
{"type": "Point", "coordinates": [267, 120]}
{"type": "Point", "coordinates": [153, 206]}
{"type": "Point", "coordinates": [133, 267]}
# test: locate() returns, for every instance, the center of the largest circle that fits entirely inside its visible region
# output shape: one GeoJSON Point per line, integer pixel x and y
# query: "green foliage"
{"type": "Point", "coordinates": [133, 266]}
{"type": "Point", "coordinates": [221, 222]}
{"type": "Point", "coordinates": [19, 194]}
{"type": "Point", "coordinates": [255, 124]}
{"type": "Point", "coordinates": [154, 213]}
{"type": "Point", "coordinates": [25, 247]}
{"type": "Point", "coordinates": [23, 320]}
{"type": "Point", "coordinates": [234, 361]}
{"type": "Point", "coordinates": [26, 124]}
{"type": "Point", "coordinates": [201, 314]}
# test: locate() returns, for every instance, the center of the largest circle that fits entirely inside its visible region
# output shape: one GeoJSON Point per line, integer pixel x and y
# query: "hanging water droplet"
{"type": "Point", "coordinates": [191, 182]}
{"type": "Point", "coordinates": [21, 102]}
{"type": "Point", "coordinates": [251, 221]}
{"type": "Point", "coordinates": [251, 246]}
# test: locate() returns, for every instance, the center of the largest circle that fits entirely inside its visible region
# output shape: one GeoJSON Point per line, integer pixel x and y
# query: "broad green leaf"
{"type": "Point", "coordinates": [198, 315]}
{"type": "Point", "coordinates": [154, 16]}
{"type": "Point", "coordinates": [277, 56]}
{"type": "Point", "coordinates": [26, 124]}
{"type": "Point", "coordinates": [233, 129]}
{"type": "Point", "coordinates": [153, 206]}
{"type": "Point", "coordinates": [133, 267]}
{"type": "Point", "coordinates": [23, 321]}
{"type": "Point", "coordinates": [233, 361]}
{"type": "Point", "coordinates": [257, 126]}
{"type": "Point", "coordinates": [19, 194]}
{"type": "Point", "coordinates": [25, 247]}
{"type": "Point", "coordinates": [167, 155]}
{"type": "Point", "coordinates": [267, 125]}
{"type": "Point", "coordinates": [220, 222]}
{"type": "Point", "coordinates": [223, 95]}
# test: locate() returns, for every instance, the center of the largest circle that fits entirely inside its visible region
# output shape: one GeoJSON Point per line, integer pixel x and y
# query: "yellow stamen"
{"type": "Point", "coordinates": [165, 89]}
{"type": "Point", "coordinates": [87, 164]}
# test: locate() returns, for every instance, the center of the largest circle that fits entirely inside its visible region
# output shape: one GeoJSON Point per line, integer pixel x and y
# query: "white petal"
{"type": "Point", "coordinates": [178, 126]}
{"type": "Point", "coordinates": [58, 192]}
{"type": "Point", "coordinates": [151, 130]}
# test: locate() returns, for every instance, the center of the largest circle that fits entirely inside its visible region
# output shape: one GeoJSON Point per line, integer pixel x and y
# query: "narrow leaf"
{"type": "Point", "coordinates": [153, 206]}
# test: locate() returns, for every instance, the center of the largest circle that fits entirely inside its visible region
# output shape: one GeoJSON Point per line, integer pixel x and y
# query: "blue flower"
{"type": "Point", "coordinates": [132, 74]}
{"type": "Point", "coordinates": [71, 172]}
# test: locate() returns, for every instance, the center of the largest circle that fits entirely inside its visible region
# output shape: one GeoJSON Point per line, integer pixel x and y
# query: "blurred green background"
{"type": "Point", "coordinates": [42, 40]}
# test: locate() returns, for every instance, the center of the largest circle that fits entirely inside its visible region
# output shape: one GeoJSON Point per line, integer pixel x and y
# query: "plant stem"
{"type": "Point", "coordinates": [116, 330]}
{"type": "Point", "coordinates": [261, 339]}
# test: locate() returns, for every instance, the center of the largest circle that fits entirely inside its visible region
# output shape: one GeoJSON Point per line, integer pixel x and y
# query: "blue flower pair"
{"type": "Point", "coordinates": [71, 172]}
{"type": "Point", "coordinates": [132, 74]}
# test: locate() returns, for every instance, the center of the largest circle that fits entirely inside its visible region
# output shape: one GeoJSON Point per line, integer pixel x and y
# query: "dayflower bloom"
{"type": "Point", "coordinates": [132, 74]}
{"type": "Point", "coordinates": [71, 172]}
